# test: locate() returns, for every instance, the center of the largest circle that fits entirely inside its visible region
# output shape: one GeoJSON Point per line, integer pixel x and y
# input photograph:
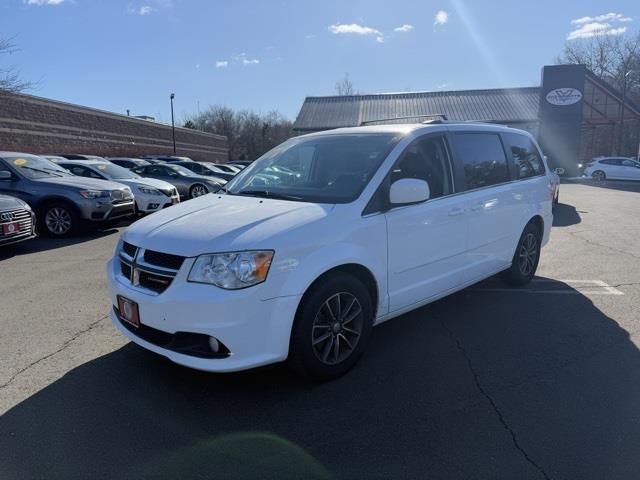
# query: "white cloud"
{"type": "Point", "coordinates": [353, 28]}
{"type": "Point", "coordinates": [380, 39]}
{"type": "Point", "coordinates": [222, 64]}
{"type": "Point", "coordinates": [588, 30]}
{"type": "Point", "coordinates": [40, 3]}
{"type": "Point", "coordinates": [605, 24]}
{"type": "Point", "coordinates": [404, 28]}
{"type": "Point", "coordinates": [252, 61]}
{"type": "Point", "coordinates": [142, 10]}
{"type": "Point", "coordinates": [606, 17]}
{"type": "Point", "coordinates": [441, 17]}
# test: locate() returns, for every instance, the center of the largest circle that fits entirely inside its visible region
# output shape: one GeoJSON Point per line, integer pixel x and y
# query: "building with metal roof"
{"type": "Point", "coordinates": [574, 115]}
{"type": "Point", "coordinates": [510, 106]}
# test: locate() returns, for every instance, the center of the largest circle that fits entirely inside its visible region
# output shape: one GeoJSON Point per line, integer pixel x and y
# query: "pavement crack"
{"type": "Point", "coordinates": [492, 402]}
{"type": "Point", "coordinates": [55, 352]}
{"type": "Point", "coordinates": [591, 242]}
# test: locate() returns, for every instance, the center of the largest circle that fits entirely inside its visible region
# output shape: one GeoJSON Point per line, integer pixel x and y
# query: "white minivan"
{"type": "Point", "coordinates": [327, 235]}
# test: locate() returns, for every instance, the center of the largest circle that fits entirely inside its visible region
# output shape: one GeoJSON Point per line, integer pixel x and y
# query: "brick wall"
{"type": "Point", "coordinates": [38, 125]}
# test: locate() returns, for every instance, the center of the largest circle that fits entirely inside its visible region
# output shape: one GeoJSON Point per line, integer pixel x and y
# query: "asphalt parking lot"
{"type": "Point", "coordinates": [540, 382]}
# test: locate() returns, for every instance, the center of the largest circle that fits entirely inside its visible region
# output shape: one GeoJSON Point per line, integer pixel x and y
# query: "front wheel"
{"type": "Point", "coordinates": [525, 260]}
{"type": "Point", "coordinates": [599, 176]}
{"type": "Point", "coordinates": [198, 190]}
{"type": "Point", "coordinates": [332, 327]}
{"type": "Point", "coordinates": [58, 220]}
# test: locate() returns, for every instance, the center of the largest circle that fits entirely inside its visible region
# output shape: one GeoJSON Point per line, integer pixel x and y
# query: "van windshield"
{"type": "Point", "coordinates": [321, 169]}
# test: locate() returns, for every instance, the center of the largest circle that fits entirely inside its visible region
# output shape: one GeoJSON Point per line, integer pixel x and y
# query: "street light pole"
{"type": "Point", "coordinates": [173, 125]}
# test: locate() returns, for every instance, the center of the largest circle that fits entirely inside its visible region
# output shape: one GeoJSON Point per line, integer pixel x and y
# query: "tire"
{"type": "Point", "coordinates": [526, 257]}
{"type": "Point", "coordinates": [328, 336]}
{"type": "Point", "coordinates": [599, 176]}
{"type": "Point", "coordinates": [197, 190]}
{"type": "Point", "coordinates": [58, 219]}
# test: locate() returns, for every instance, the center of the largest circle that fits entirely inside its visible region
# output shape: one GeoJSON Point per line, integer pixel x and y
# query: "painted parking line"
{"type": "Point", "coordinates": [562, 287]}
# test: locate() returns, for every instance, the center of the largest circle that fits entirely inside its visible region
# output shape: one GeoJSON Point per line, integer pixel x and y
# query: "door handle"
{"type": "Point", "coordinates": [477, 206]}
{"type": "Point", "coordinates": [456, 211]}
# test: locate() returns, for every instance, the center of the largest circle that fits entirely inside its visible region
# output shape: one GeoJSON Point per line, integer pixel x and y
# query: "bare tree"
{"type": "Point", "coordinates": [249, 134]}
{"type": "Point", "coordinates": [10, 78]}
{"type": "Point", "coordinates": [345, 86]}
{"type": "Point", "coordinates": [614, 59]}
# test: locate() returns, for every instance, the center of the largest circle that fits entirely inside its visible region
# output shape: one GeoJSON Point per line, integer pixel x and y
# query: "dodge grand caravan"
{"type": "Point", "coordinates": [374, 222]}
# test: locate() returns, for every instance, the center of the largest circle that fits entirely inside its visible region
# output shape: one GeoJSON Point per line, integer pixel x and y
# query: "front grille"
{"type": "Point", "coordinates": [148, 269]}
{"type": "Point", "coordinates": [129, 249]}
{"type": "Point", "coordinates": [125, 269]}
{"type": "Point", "coordinates": [21, 217]}
{"type": "Point", "coordinates": [153, 281]}
{"type": "Point", "coordinates": [164, 260]}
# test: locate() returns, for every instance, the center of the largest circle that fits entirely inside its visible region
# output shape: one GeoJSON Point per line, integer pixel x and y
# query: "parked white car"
{"type": "Point", "coordinates": [150, 194]}
{"type": "Point", "coordinates": [377, 221]}
{"type": "Point", "coordinates": [613, 168]}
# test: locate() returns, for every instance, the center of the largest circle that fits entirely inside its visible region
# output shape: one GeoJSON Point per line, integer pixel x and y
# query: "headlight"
{"type": "Point", "coordinates": [94, 193]}
{"type": "Point", "coordinates": [232, 271]}
{"type": "Point", "coordinates": [149, 190]}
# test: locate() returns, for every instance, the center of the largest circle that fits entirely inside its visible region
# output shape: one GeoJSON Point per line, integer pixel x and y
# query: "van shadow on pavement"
{"type": "Point", "coordinates": [482, 384]}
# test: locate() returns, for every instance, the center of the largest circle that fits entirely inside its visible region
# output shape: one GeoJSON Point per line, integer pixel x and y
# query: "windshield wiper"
{"type": "Point", "coordinates": [41, 171]}
{"type": "Point", "coordinates": [268, 194]}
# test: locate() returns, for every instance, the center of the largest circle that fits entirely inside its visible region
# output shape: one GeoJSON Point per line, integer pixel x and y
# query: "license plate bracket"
{"type": "Point", "coordinates": [11, 228]}
{"type": "Point", "coordinates": [129, 311]}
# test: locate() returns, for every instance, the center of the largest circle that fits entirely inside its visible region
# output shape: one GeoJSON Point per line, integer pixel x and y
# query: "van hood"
{"type": "Point", "coordinates": [214, 223]}
{"type": "Point", "coordinates": [80, 183]}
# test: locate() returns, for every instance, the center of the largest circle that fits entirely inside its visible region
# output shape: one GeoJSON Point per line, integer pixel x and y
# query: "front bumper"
{"type": "Point", "coordinates": [153, 203]}
{"type": "Point", "coordinates": [98, 210]}
{"type": "Point", "coordinates": [27, 228]}
{"type": "Point", "coordinates": [255, 331]}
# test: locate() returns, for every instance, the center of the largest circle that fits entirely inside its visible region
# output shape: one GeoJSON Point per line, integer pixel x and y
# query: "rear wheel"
{"type": "Point", "coordinates": [526, 258]}
{"type": "Point", "coordinates": [599, 176]}
{"type": "Point", "coordinates": [58, 220]}
{"type": "Point", "coordinates": [198, 190]}
{"type": "Point", "coordinates": [332, 327]}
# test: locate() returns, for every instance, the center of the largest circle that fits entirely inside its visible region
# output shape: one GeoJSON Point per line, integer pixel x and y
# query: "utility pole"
{"type": "Point", "coordinates": [173, 124]}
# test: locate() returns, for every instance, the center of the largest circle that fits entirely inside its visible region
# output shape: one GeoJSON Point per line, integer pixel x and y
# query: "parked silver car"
{"type": "Point", "coordinates": [189, 184]}
{"type": "Point", "coordinates": [17, 220]}
{"type": "Point", "coordinates": [62, 201]}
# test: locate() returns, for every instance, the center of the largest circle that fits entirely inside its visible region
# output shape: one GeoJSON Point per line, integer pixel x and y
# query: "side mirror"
{"type": "Point", "coordinates": [4, 175]}
{"type": "Point", "coordinates": [408, 190]}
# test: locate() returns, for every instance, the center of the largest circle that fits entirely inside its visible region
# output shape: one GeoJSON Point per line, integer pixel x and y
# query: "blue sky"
{"type": "Point", "coordinates": [263, 55]}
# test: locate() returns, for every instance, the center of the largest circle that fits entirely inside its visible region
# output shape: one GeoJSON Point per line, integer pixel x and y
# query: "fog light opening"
{"type": "Point", "coordinates": [214, 344]}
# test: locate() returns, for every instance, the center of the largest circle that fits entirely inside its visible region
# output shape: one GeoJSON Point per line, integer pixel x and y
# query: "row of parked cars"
{"type": "Point", "coordinates": [57, 194]}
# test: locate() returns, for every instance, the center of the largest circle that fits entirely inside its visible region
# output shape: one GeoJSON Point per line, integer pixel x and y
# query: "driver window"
{"type": "Point", "coordinates": [426, 159]}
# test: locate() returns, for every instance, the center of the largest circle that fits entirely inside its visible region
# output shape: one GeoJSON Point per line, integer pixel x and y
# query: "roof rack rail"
{"type": "Point", "coordinates": [434, 118]}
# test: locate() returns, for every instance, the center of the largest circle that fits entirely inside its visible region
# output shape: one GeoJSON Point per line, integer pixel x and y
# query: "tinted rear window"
{"type": "Point", "coordinates": [525, 156]}
{"type": "Point", "coordinates": [482, 157]}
